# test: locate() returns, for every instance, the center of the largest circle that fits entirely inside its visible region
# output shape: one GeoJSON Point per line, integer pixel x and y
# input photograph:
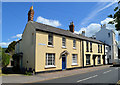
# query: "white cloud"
{"type": "Point", "coordinates": [94, 27]}
{"type": "Point", "coordinates": [90, 29]}
{"type": "Point", "coordinates": [4, 44]}
{"type": "Point", "coordinates": [17, 36]}
{"type": "Point", "coordinates": [51, 22]}
{"type": "Point", "coordinates": [106, 21]}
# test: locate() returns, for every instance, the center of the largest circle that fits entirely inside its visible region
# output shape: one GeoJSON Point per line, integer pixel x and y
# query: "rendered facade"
{"type": "Point", "coordinates": [108, 37]}
{"type": "Point", "coordinates": [47, 48]}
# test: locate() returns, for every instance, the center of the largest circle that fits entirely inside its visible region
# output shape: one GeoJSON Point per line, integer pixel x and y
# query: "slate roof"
{"type": "Point", "coordinates": [54, 30]}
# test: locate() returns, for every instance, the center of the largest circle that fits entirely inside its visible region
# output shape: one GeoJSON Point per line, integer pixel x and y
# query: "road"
{"type": "Point", "coordinates": [109, 75]}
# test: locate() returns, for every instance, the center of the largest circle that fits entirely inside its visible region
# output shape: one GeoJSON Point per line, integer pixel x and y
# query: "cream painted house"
{"type": "Point", "coordinates": [47, 48]}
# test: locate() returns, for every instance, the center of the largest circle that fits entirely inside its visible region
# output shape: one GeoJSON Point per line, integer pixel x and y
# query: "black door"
{"type": "Point", "coordinates": [94, 60]}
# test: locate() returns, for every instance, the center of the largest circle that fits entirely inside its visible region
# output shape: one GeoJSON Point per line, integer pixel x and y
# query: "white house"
{"type": "Point", "coordinates": [108, 37]}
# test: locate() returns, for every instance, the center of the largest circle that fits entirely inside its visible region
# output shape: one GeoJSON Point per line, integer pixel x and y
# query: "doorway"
{"type": "Point", "coordinates": [94, 57]}
{"type": "Point", "coordinates": [63, 62]}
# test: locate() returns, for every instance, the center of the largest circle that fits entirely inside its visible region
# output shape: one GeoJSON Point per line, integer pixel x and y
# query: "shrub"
{"type": "Point", "coordinates": [28, 73]}
{"type": "Point", "coordinates": [5, 59]}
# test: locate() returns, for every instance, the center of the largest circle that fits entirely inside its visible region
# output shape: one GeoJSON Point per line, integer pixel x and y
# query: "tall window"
{"type": "Point", "coordinates": [50, 39]}
{"type": "Point", "coordinates": [50, 59]}
{"type": "Point", "coordinates": [87, 46]}
{"type": "Point", "coordinates": [87, 59]}
{"type": "Point", "coordinates": [109, 47]}
{"type": "Point", "coordinates": [74, 43]}
{"type": "Point", "coordinates": [74, 58]}
{"type": "Point", "coordinates": [99, 60]}
{"type": "Point", "coordinates": [101, 48]}
{"type": "Point", "coordinates": [90, 46]}
{"type": "Point", "coordinates": [63, 42]}
{"type": "Point", "coordinates": [98, 48]}
{"type": "Point", "coordinates": [108, 34]}
{"type": "Point", "coordinates": [110, 56]}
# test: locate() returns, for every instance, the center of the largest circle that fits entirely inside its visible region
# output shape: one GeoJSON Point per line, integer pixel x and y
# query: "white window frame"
{"type": "Point", "coordinates": [47, 61]}
{"type": "Point", "coordinates": [74, 44]}
{"type": "Point", "coordinates": [74, 59]}
{"type": "Point", "coordinates": [50, 40]}
{"type": "Point", "coordinates": [63, 42]}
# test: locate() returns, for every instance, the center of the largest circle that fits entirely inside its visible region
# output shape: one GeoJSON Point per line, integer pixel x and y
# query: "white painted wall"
{"type": "Point", "coordinates": [108, 37]}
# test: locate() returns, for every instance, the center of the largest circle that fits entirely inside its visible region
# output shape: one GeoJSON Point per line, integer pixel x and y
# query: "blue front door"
{"type": "Point", "coordinates": [63, 63]}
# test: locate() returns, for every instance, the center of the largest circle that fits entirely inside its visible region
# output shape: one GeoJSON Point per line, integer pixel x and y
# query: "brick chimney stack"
{"type": "Point", "coordinates": [71, 27]}
{"type": "Point", "coordinates": [31, 14]}
{"type": "Point", "coordinates": [103, 26]}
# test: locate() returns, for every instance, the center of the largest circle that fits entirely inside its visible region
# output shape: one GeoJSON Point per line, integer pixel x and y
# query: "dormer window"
{"type": "Point", "coordinates": [50, 39]}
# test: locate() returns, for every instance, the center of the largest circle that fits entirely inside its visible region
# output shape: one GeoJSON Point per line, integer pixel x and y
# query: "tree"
{"type": "Point", "coordinates": [116, 17]}
{"type": "Point", "coordinates": [11, 48]}
{"type": "Point", "coordinates": [0, 55]}
{"type": "Point", "coordinates": [5, 59]}
{"type": "Point", "coordinates": [116, 20]}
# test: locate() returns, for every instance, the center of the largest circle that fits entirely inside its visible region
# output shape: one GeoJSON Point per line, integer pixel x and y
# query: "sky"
{"type": "Point", "coordinates": [86, 16]}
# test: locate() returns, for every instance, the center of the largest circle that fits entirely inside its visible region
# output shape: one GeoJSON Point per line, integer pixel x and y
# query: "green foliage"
{"type": "Point", "coordinates": [28, 73]}
{"type": "Point", "coordinates": [116, 8]}
{"type": "Point", "coordinates": [110, 16]}
{"type": "Point", "coordinates": [0, 55]}
{"type": "Point", "coordinates": [5, 59]}
{"type": "Point", "coordinates": [116, 18]}
{"type": "Point", "coordinates": [111, 22]}
{"type": "Point", "coordinates": [11, 47]}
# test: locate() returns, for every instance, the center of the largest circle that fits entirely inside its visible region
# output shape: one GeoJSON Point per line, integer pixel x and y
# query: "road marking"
{"type": "Point", "coordinates": [106, 72]}
{"type": "Point", "coordinates": [87, 78]}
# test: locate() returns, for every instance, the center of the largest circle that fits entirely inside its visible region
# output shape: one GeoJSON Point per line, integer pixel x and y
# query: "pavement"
{"type": "Point", "coordinates": [44, 77]}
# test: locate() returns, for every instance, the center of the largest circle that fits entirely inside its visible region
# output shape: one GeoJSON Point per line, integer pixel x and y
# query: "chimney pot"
{"type": "Point", "coordinates": [103, 26]}
{"type": "Point", "coordinates": [83, 33]}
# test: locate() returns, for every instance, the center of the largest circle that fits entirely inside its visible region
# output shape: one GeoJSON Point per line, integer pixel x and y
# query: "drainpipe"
{"type": "Point", "coordinates": [104, 54]}
{"type": "Point", "coordinates": [83, 52]}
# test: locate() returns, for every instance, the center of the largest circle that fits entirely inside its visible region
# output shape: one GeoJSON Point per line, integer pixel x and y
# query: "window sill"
{"type": "Point", "coordinates": [63, 47]}
{"type": "Point", "coordinates": [51, 46]}
{"type": "Point", "coordinates": [74, 64]}
{"type": "Point", "coordinates": [74, 48]}
{"type": "Point", "coordinates": [50, 66]}
{"type": "Point", "coordinates": [88, 64]}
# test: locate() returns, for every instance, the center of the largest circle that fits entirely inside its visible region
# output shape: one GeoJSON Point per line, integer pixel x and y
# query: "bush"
{"type": "Point", "coordinates": [5, 59]}
{"type": "Point", "coordinates": [28, 73]}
